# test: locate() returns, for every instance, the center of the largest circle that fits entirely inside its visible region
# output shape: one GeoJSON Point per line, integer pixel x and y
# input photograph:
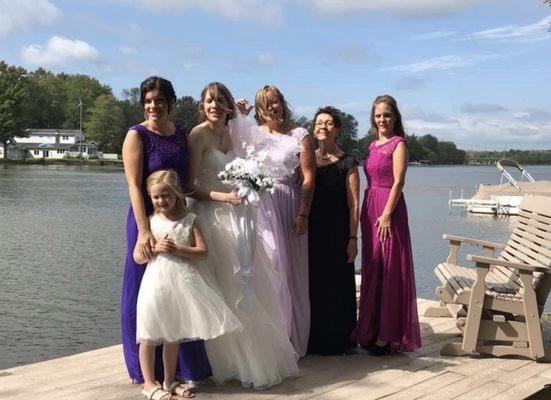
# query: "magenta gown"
{"type": "Point", "coordinates": [388, 281]}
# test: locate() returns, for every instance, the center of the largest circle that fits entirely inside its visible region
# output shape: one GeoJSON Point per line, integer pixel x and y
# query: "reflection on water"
{"type": "Point", "coordinates": [61, 253]}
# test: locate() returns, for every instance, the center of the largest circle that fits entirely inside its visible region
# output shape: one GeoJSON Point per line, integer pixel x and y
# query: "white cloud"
{"type": "Point", "coordinates": [59, 51]}
{"type": "Point", "coordinates": [433, 35]}
{"type": "Point", "coordinates": [443, 63]}
{"type": "Point", "coordinates": [265, 11]}
{"type": "Point", "coordinates": [267, 59]}
{"type": "Point", "coordinates": [25, 14]}
{"type": "Point", "coordinates": [486, 131]}
{"type": "Point", "coordinates": [417, 8]}
{"type": "Point", "coordinates": [514, 33]}
{"type": "Point", "coordinates": [127, 50]}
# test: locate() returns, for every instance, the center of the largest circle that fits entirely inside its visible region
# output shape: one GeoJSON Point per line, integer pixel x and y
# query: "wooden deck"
{"type": "Point", "coordinates": [424, 374]}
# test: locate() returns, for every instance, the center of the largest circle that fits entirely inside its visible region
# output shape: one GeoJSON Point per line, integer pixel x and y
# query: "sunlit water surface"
{"type": "Point", "coordinates": [62, 249]}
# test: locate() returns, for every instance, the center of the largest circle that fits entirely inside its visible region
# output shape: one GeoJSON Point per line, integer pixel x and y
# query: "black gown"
{"type": "Point", "coordinates": [332, 280]}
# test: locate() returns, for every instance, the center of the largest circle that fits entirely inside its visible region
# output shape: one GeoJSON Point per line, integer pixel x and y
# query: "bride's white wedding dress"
{"type": "Point", "coordinates": [260, 355]}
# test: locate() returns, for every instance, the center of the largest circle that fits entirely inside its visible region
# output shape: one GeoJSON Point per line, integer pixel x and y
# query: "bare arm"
{"type": "Point", "coordinates": [308, 178]}
{"type": "Point", "coordinates": [399, 166]}
{"type": "Point", "coordinates": [197, 144]}
{"type": "Point", "coordinates": [353, 199]}
{"type": "Point", "coordinates": [132, 155]}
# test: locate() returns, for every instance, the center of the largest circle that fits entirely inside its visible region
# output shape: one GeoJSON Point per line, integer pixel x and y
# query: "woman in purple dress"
{"type": "Point", "coordinates": [388, 308]}
{"type": "Point", "coordinates": [155, 144]}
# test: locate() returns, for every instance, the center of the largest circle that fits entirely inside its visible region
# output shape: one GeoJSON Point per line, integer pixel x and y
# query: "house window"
{"type": "Point", "coordinates": [36, 152]}
{"type": "Point", "coordinates": [65, 138]}
{"type": "Point", "coordinates": [60, 151]}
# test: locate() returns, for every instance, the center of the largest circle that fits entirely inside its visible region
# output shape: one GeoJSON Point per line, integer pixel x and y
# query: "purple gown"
{"type": "Point", "coordinates": [388, 281]}
{"type": "Point", "coordinates": [159, 152]}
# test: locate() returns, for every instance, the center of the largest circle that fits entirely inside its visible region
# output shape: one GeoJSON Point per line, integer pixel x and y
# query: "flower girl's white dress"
{"type": "Point", "coordinates": [179, 299]}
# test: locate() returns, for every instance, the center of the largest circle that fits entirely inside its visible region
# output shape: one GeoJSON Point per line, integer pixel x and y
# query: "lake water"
{"type": "Point", "coordinates": [62, 247]}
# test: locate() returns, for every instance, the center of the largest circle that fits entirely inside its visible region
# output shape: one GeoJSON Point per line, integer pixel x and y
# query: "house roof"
{"type": "Point", "coordinates": [52, 146]}
{"type": "Point", "coordinates": [53, 132]}
{"type": "Point", "coordinates": [42, 146]}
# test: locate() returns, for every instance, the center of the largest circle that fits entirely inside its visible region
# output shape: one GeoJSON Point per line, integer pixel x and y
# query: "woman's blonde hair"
{"type": "Point", "coordinates": [170, 178]}
{"type": "Point", "coordinates": [216, 90]}
{"type": "Point", "coordinates": [261, 106]}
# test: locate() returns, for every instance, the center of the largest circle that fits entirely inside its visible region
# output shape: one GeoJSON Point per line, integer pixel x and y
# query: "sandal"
{"type": "Point", "coordinates": [157, 393]}
{"type": "Point", "coordinates": [179, 390]}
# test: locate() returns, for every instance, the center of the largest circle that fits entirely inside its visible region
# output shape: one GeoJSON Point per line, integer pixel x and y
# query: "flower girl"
{"type": "Point", "coordinates": [177, 301]}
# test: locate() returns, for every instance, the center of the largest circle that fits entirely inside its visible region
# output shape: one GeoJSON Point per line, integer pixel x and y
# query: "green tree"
{"type": "Point", "coordinates": [131, 107]}
{"type": "Point", "coordinates": [429, 142]}
{"type": "Point", "coordinates": [12, 96]}
{"type": "Point", "coordinates": [447, 153]}
{"type": "Point", "coordinates": [417, 152]}
{"type": "Point", "coordinates": [45, 106]}
{"type": "Point", "coordinates": [348, 134]}
{"type": "Point", "coordinates": [80, 87]}
{"type": "Point", "coordinates": [301, 121]}
{"type": "Point", "coordinates": [186, 112]}
{"type": "Point", "coordinates": [105, 124]}
{"type": "Point", "coordinates": [363, 145]}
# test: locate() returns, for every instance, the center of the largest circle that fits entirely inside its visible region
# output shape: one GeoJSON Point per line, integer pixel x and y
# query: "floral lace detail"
{"type": "Point", "coordinates": [180, 233]}
{"type": "Point", "coordinates": [378, 164]}
{"type": "Point", "coordinates": [163, 152]}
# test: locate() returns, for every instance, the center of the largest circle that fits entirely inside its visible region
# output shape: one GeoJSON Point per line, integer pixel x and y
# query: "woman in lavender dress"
{"type": "Point", "coordinates": [388, 308]}
{"type": "Point", "coordinates": [152, 145]}
{"type": "Point", "coordinates": [283, 214]}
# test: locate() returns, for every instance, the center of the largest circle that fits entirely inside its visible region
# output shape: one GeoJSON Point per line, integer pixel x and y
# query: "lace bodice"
{"type": "Point", "coordinates": [283, 150]}
{"type": "Point", "coordinates": [179, 231]}
{"type": "Point", "coordinates": [378, 164]}
{"type": "Point", "coordinates": [212, 162]}
{"type": "Point", "coordinates": [162, 152]}
{"type": "Point", "coordinates": [284, 153]}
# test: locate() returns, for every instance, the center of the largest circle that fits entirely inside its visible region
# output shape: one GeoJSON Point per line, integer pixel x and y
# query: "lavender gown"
{"type": "Point", "coordinates": [159, 152]}
{"type": "Point", "coordinates": [288, 255]}
{"type": "Point", "coordinates": [388, 281]}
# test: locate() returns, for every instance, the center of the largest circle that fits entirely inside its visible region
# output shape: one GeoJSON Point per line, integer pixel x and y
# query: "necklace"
{"type": "Point", "coordinates": [329, 156]}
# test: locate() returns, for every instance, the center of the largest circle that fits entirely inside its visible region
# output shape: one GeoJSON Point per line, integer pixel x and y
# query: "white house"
{"type": "Point", "coordinates": [52, 144]}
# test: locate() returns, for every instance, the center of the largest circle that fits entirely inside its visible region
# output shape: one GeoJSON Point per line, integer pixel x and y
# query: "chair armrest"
{"type": "Point", "coordinates": [494, 261]}
{"type": "Point", "coordinates": [474, 242]}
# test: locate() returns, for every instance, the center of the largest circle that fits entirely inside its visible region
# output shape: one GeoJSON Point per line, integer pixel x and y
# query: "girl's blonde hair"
{"type": "Point", "coordinates": [261, 106]}
{"type": "Point", "coordinates": [170, 178]}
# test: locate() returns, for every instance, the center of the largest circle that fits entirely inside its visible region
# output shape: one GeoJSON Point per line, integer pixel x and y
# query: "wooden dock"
{"type": "Point", "coordinates": [424, 374]}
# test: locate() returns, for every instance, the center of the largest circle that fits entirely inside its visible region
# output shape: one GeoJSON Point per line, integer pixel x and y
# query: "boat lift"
{"type": "Point", "coordinates": [496, 204]}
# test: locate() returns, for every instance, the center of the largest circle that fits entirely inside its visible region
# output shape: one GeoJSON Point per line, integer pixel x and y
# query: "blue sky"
{"type": "Point", "coordinates": [476, 72]}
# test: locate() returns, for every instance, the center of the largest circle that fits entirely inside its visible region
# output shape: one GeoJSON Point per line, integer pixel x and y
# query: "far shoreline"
{"type": "Point", "coordinates": [119, 163]}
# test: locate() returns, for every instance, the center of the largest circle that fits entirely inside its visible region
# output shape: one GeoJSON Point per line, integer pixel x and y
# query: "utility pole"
{"type": "Point", "coordinates": [80, 127]}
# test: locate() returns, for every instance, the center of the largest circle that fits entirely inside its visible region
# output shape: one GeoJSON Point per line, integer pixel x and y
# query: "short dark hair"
{"type": "Point", "coordinates": [335, 113]}
{"type": "Point", "coordinates": [163, 85]}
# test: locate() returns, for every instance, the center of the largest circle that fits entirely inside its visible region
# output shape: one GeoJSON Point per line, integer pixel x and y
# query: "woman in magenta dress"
{"type": "Point", "coordinates": [388, 309]}
{"type": "Point", "coordinates": [155, 144]}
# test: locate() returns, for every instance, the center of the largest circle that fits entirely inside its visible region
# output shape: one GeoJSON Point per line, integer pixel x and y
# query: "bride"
{"type": "Point", "coordinates": [261, 355]}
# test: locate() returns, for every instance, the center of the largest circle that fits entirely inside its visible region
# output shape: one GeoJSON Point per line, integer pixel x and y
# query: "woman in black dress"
{"type": "Point", "coordinates": [332, 240]}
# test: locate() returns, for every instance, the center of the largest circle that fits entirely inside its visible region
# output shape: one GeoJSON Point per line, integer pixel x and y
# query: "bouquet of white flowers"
{"type": "Point", "coordinates": [248, 175]}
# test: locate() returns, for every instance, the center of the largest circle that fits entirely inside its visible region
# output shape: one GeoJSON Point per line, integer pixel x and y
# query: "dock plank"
{"type": "Point", "coordinates": [423, 374]}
